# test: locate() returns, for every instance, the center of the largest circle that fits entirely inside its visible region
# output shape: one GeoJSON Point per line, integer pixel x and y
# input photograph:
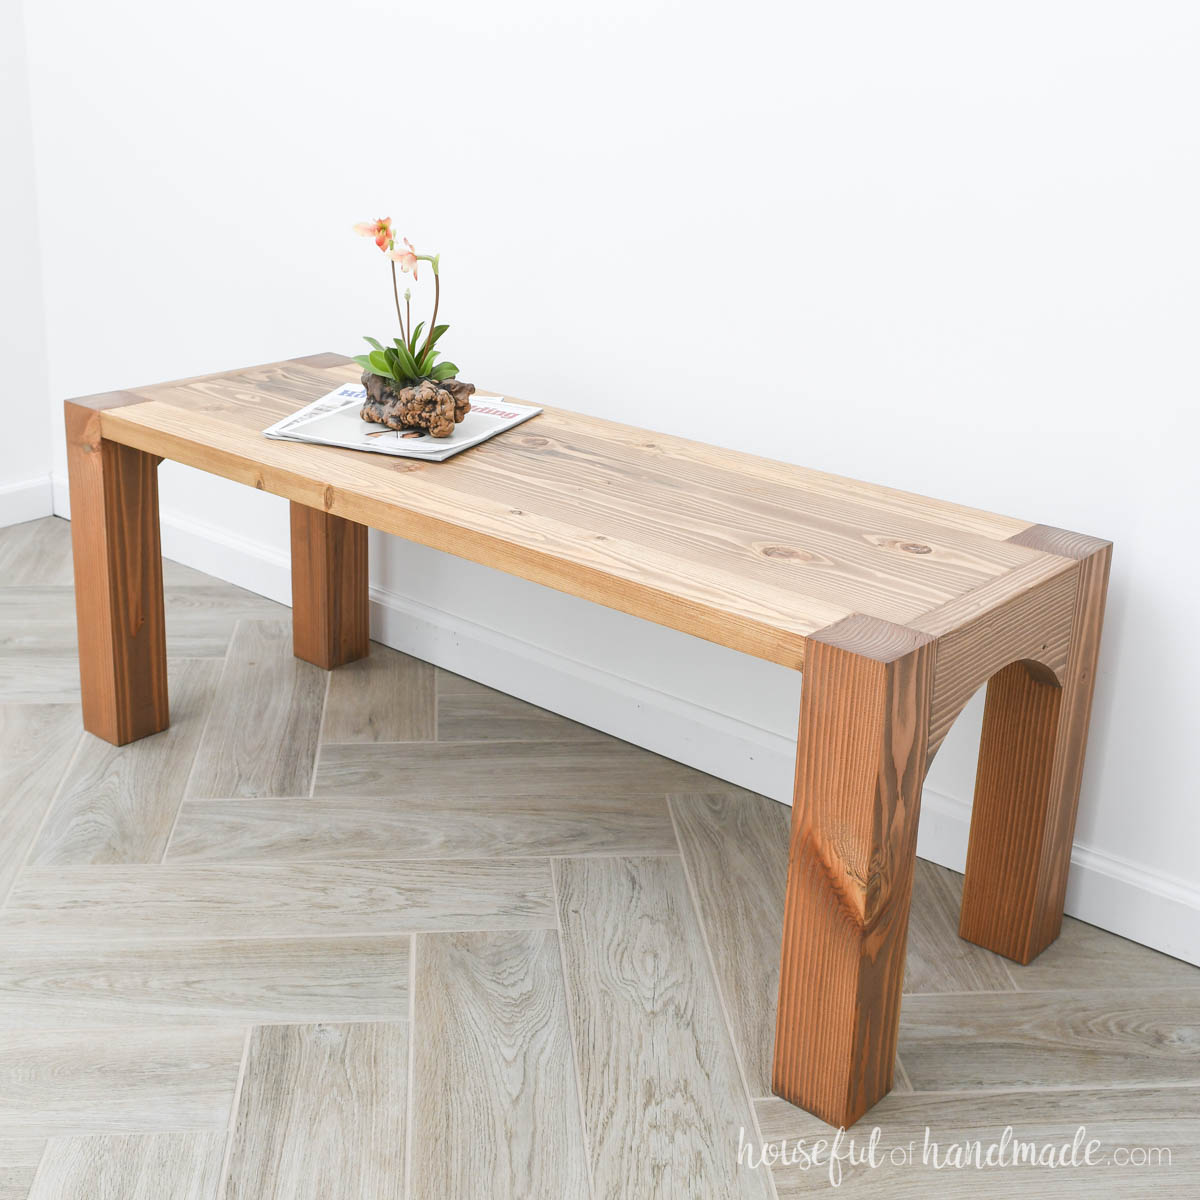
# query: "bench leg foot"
{"type": "Point", "coordinates": [1027, 788]}
{"type": "Point", "coordinates": [118, 583]}
{"type": "Point", "coordinates": [861, 759]}
{"type": "Point", "coordinates": [330, 603]}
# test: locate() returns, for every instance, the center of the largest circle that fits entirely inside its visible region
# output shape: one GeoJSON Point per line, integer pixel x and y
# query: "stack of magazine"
{"type": "Point", "coordinates": [334, 421]}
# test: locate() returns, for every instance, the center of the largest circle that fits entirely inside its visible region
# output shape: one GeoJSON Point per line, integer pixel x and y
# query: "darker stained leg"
{"type": "Point", "coordinates": [118, 582]}
{"type": "Point", "coordinates": [1030, 767]}
{"type": "Point", "coordinates": [861, 758]}
{"type": "Point", "coordinates": [330, 601]}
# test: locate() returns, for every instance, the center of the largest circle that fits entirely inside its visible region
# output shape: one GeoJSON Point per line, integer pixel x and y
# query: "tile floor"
{"type": "Point", "coordinates": [387, 933]}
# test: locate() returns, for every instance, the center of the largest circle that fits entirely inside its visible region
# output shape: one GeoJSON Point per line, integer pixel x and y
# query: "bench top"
{"type": "Point", "coordinates": [739, 550]}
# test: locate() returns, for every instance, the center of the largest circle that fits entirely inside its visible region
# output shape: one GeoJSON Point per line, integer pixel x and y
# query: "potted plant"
{"type": "Point", "coordinates": [407, 387]}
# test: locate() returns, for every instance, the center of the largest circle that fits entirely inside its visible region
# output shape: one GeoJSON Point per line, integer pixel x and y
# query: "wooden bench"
{"type": "Point", "coordinates": [895, 607]}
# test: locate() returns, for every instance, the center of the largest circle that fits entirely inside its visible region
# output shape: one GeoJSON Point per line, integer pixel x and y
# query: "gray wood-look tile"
{"type": "Point", "coordinates": [261, 737]}
{"type": "Point", "coordinates": [449, 684]}
{"type": "Point", "coordinates": [19, 1158]}
{"type": "Point", "coordinates": [1127, 1118]}
{"type": "Point", "coordinates": [121, 903]}
{"type": "Point", "coordinates": [1087, 957]}
{"type": "Point", "coordinates": [117, 804]}
{"type": "Point", "coordinates": [126, 989]}
{"type": "Point", "coordinates": [469, 712]}
{"type": "Point", "coordinates": [37, 742]}
{"type": "Point", "coordinates": [451, 769]}
{"type": "Point", "coordinates": [663, 1100]}
{"type": "Point", "coordinates": [201, 619]}
{"type": "Point", "coordinates": [36, 553]}
{"type": "Point", "coordinates": [322, 1114]}
{"type": "Point", "coordinates": [385, 697]}
{"type": "Point", "coordinates": [140, 1166]}
{"type": "Point", "coordinates": [385, 827]}
{"type": "Point", "coordinates": [36, 677]}
{"type": "Point", "coordinates": [38, 620]}
{"type": "Point", "coordinates": [735, 848]}
{"type": "Point", "coordinates": [938, 959]}
{"type": "Point", "coordinates": [67, 1082]}
{"type": "Point", "coordinates": [495, 1106]}
{"type": "Point", "coordinates": [224, 982]}
{"type": "Point", "coordinates": [177, 575]}
{"type": "Point", "coordinates": [1023, 1040]}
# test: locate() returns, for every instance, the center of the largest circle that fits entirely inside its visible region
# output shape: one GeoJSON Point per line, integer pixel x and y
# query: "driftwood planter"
{"type": "Point", "coordinates": [434, 407]}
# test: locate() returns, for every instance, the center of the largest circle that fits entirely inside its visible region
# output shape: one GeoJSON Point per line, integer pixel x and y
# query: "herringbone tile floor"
{"type": "Point", "coordinates": [387, 933]}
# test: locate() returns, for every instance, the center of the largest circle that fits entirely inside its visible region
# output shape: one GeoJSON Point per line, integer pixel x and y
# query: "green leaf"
{"type": "Point", "coordinates": [380, 364]}
{"type": "Point", "coordinates": [426, 364]}
{"type": "Point", "coordinates": [444, 370]}
{"type": "Point", "coordinates": [438, 330]}
{"type": "Point", "coordinates": [407, 365]}
{"type": "Point", "coordinates": [372, 342]}
{"type": "Point", "coordinates": [414, 341]}
{"type": "Point", "coordinates": [364, 362]}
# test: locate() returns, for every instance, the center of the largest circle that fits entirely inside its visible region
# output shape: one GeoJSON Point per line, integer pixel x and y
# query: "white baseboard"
{"type": "Point", "coordinates": [1103, 889]}
{"type": "Point", "coordinates": [25, 501]}
{"type": "Point", "coordinates": [1126, 898]}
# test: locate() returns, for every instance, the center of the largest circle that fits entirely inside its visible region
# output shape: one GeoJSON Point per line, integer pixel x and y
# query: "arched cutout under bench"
{"type": "Point", "coordinates": [878, 699]}
{"type": "Point", "coordinates": [896, 607]}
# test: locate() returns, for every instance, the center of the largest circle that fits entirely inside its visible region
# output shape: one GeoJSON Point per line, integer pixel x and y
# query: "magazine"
{"type": "Point", "coordinates": [334, 421]}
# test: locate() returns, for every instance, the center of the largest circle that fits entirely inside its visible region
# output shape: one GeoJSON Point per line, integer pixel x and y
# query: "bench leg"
{"type": "Point", "coordinates": [330, 603]}
{"type": "Point", "coordinates": [1027, 787]}
{"type": "Point", "coordinates": [118, 583]}
{"type": "Point", "coordinates": [861, 758]}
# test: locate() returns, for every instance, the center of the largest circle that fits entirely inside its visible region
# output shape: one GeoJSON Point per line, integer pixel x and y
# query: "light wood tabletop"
{"type": "Point", "coordinates": [896, 606]}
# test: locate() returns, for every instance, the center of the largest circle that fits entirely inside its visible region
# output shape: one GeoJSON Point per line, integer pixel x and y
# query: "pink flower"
{"type": "Point", "coordinates": [380, 230]}
{"type": "Point", "coordinates": [406, 258]}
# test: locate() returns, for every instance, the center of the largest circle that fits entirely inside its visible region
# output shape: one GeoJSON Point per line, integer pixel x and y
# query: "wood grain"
{"type": "Point", "coordinates": [907, 605]}
{"type": "Point", "coordinates": [938, 960]}
{"type": "Point", "coordinates": [118, 805]}
{"type": "Point", "coordinates": [864, 719]}
{"type": "Point", "coordinates": [386, 697]}
{"type": "Point", "coordinates": [276, 900]}
{"type": "Point", "coordinates": [19, 1158]}
{"type": "Point", "coordinates": [38, 679]}
{"type": "Point", "coordinates": [742, 551]}
{"type": "Point", "coordinates": [735, 848]}
{"type": "Point", "coordinates": [1135, 1117]}
{"type": "Point", "coordinates": [495, 1102]}
{"type": "Point", "coordinates": [1033, 629]}
{"type": "Point", "coordinates": [208, 981]}
{"type": "Point", "coordinates": [1027, 785]}
{"type": "Point", "coordinates": [1057, 1039]}
{"type": "Point", "coordinates": [470, 712]}
{"type": "Point", "coordinates": [391, 827]}
{"type": "Point", "coordinates": [37, 742]}
{"type": "Point", "coordinates": [150, 1166]}
{"type": "Point", "coordinates": [331, 609]}
{"type": "Point", "coordinates": [322, 1114]}
{"type": "Point", "coordinates": [1083, 956]}
{"type": "Point", "coordinates": [261, 739]}
{"type": "Point", "coordinates": [534, 769]}
{"type": "Point", "coordinates": [36, 553]}
{"type": "Point", "coordinates": [662, 1099]}
{"type": "Point", "coordinates": [118, 582]}
{"type": "Point", "coordinates": [39, 646]}
{"type": "Point", "coordinates": [66, 1082]}
{"type": "Point", "coordinates": [201, 618]}
{"type": "Point", "coordinates": [40, 621]}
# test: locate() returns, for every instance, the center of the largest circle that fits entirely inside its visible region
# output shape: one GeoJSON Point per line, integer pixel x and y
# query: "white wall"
{"type": "Point", "coordinates": [24, 414]}
{"type": "Point", "coordinates": [948, 247]}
